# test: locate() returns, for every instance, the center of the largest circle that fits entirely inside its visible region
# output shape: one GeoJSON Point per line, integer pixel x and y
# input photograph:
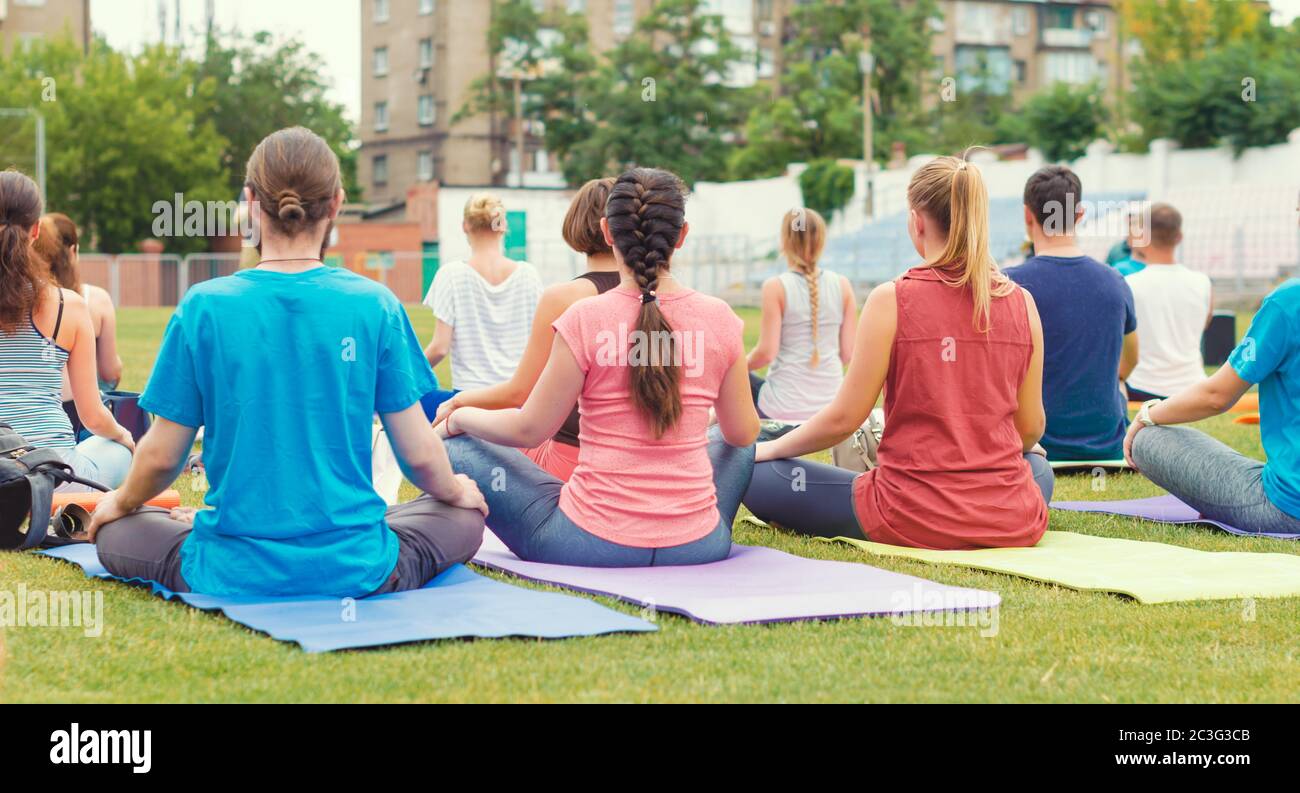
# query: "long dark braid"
{"type": "Point", "coordinates": [646, 213]}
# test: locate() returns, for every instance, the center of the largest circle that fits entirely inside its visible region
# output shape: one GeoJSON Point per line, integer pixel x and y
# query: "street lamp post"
{"type": "Point", "coordinates": [867, 64]}
{"type": "Point", "coordinates": [23, 112]}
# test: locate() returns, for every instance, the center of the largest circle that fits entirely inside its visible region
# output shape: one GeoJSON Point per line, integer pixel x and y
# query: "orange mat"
{"type": "Point", "coordinates": [1249, 418]}
{"type": "Point", "coordinates": [168, 500]}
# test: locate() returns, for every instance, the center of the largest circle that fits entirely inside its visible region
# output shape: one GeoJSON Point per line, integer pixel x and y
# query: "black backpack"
{"type": "Point", "coordinates": [28, 476]}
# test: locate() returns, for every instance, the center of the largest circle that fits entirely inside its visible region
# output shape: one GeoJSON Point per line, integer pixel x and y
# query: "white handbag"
{"type": "Point", "coordinates": [858, 452]}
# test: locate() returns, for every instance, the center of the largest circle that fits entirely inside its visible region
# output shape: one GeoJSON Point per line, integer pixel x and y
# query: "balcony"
{"type": "Point", "coordinates": [1080, 38]}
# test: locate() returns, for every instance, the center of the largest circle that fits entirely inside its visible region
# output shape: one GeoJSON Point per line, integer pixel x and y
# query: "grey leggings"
{"type": "Point", "coordinates": [433, 537]}
{"type": "Point", "coordinates": [823, 504]}
{"type": "Point", "coordinates": [1215, 480]}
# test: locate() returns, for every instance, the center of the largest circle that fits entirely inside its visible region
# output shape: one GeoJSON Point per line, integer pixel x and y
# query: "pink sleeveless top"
{"type": "Point", "coordinates": [952, 473]}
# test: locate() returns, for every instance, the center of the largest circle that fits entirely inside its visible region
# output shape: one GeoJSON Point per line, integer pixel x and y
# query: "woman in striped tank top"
{"type": "Point", "coordinates": [558, 456]}
{"type": "Point", "coordinates": [43, 329]}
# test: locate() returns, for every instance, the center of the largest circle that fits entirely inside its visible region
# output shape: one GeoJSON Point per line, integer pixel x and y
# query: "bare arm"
{"type": "Point", "coordinates": [1211, 397]}
{"type": "Point", "coordinates": [849, 327]}
{"type": "Point", "coordinates": [861, 388]}
{"type": "Point", "coordinates": [108, 362]}
{"type": "Point", "coordinates": [83, 376]}
{"type": "Point", "coordinates": [441, 344]}
{"type": "Point", "coordinates": [157, 463]}
{"type": "Point", "coordinates": [1031, 418]}
{"type": "Point", "coordinates": [423, 459]}
{"type": "Point", "coordinates": [512, 393]}
{"type": "Point", "coordinates": [737, 417]}
{"type": "Point", "coordinates": [1128, 360]}
{"type": "Point", "coordinates": [541, 416]}
{"type": "Point", "coordinates": [769, 333]}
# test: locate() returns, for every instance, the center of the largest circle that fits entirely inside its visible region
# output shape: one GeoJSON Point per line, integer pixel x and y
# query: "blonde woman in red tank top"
{"type": "Point", "coordinates": [957, 349]}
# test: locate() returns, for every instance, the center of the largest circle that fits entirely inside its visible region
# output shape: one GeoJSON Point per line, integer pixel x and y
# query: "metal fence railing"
{"type": "Point", "coordinates": [1235, 241]}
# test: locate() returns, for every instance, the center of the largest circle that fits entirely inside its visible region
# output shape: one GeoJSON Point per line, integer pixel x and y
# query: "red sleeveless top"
{"type": "Point", "coordinates": [952, 473]}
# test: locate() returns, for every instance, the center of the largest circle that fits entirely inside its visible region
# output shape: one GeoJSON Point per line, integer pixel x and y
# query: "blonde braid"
{"type": "Point", "coordinates": [803, 236]}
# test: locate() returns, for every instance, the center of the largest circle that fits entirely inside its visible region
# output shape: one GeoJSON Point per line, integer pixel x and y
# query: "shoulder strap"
{"type": "Point", "coordinates": [58, 321]}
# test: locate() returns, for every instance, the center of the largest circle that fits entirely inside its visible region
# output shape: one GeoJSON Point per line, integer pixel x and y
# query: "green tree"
{"type": "Point", "coordinates": [819, 112]}
{"type": "Point", "coordinates": [827, 186]}
{"type": "Point", "coordinates": [1063, 120]}
{"type": "Point", "coordinates": [261, 85]}
{"type": "Point", "coordinates": [122, 132]}
{"type": "Point", "coordinates": [661, 97]}
{"type": "Point", "coordinates": [976, 110]}
{"type": "Point", "coordinates": [1246, 93]}
{"type": "Point", "coordinates": [1172, 31]}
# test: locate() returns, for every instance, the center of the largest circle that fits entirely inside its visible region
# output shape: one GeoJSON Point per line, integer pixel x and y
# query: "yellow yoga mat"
{"type": "Point", "coordinates": [1151, 572]}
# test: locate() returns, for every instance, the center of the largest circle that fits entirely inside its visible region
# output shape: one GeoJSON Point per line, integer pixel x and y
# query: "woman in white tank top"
{"type": "Point", "coordinates": [809, 323]}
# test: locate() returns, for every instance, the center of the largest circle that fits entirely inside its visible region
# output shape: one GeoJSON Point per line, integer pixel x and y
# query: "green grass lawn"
{"type": "Point", "coordinates": [1053, 644]}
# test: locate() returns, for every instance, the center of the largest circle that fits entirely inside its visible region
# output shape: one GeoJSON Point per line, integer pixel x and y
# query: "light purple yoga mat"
{"type": "Point", "coordinates": [753, 585]}
{"type": "Point", "coordinates": [1164, 509]}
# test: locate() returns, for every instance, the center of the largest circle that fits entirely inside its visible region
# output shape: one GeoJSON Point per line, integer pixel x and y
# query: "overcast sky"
{"type": "Point", "coordinates": [329, 27]}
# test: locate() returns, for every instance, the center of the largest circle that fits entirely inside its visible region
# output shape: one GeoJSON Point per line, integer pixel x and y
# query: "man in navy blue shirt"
{"type": "Point", "coordinates": [1089, 325]}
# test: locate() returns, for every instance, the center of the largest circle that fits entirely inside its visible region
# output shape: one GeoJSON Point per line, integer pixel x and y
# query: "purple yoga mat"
{"type": "Point", "coordinates": [1164, 509]}
{"type": "Point", "coordinates": [753, 585]}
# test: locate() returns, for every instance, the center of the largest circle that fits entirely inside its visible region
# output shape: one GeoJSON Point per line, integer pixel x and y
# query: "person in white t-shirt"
{"type": "Point", "coordinates": [485, 305]}
{"type": "Point", "coordinates": [1174, 306]}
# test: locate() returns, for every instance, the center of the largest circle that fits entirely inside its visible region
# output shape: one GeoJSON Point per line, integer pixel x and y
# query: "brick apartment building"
{"type": "Point", "coordinates": [23, 21]}
{"type": "Point", "coordinates": [421, 57]}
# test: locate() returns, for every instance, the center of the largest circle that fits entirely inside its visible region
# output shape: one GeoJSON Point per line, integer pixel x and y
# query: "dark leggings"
{"type": "Point", "coordinates": [756, 385]}
{"type": "Point", "coordinates": [433, 537]}
{"type": "Point", "coordinates": [1138, 395]}
{"type": "Point", "coordinates": [817, 499]}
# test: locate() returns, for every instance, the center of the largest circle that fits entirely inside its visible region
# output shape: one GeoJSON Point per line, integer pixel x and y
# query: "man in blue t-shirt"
{"type": "Point", "coordinates": [1214, 479]}
{"type": "Point", "coordinates": [1089, 325]}
{"type": "Point", "coordinates": [286, 371]}
{"type": "Point", "coordinates": [285, 366]}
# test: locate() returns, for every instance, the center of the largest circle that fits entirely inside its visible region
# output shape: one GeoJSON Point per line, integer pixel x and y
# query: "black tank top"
{"type": "Point", "coordinates": [603, 281]}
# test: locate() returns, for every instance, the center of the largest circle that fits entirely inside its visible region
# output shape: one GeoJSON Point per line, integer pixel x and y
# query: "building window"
{"type": "Point", "coordinates": [425, 166]}
{"type": "Point", "coordinates": [426, 53]}
{"type": "Point", "coordinates": [1021, 71]}
{"type": "Point", "coordinates": [381, 61]}
{"type": "Point", "coordinates": [624, 17]}
{"type": "Point", "coordinates": [1096, 22]}
{"type": "Point", "coordinates": [1020, 21]}
{"type": "Point", "coordinates": [381, 117]}
{"type": "Point", "coordinates": [1058, 18]}
{"type": "Point", "coordinates": [381, 10]}
{"type": "Point", "coordinates": [428, 114]}
{"type": "Point", "coordinates": [426, 7]}
{"type": "Point", "coordinates": [381, 169]}
{"type": "Point", "coordinates": [1076, 68]}
{"type": "Point", "coordinates": [984, 67]}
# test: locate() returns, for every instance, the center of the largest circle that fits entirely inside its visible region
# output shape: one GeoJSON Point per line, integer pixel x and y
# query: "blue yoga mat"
{"type": "Point", "coordinates": [457, 604]}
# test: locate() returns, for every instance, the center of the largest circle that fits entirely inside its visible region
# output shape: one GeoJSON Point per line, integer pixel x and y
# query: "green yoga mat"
{"type": "Point", "coordinates": [1151, 572]}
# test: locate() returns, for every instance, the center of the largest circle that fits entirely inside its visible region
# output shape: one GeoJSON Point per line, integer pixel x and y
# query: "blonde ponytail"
{"type": "Point", "coordinates": [951, 191]}
{"type": "Point", "coordinates": [803, 237]}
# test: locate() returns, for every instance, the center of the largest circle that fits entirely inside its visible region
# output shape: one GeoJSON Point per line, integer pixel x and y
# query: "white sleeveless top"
{"type": "Point", "coordinates": [795, 389]}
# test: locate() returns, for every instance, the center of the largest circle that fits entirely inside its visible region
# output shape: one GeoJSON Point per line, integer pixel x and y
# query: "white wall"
{"type": "Point", "coordinates": [748, 214]}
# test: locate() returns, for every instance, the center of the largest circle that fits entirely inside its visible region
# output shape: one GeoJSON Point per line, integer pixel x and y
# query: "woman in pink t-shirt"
{"type": "Point", "coordinates": [644, 362]}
